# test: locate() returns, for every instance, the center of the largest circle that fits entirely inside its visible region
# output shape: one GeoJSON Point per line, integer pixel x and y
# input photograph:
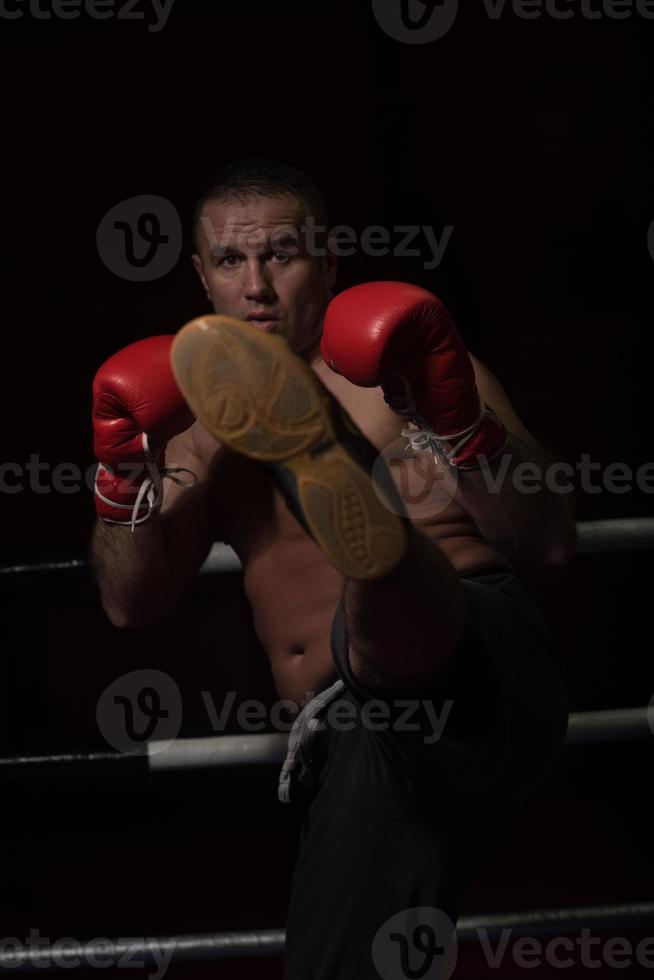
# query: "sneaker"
{"type": "Point", "coordinates": [259, 399]}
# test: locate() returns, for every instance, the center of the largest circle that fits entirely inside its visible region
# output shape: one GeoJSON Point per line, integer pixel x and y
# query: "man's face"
{"type": "Point", "coordinates": [254, 264]}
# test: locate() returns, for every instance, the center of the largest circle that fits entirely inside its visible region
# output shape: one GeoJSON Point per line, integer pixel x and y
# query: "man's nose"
{"type": "Point", "coordinates": [258, 285]}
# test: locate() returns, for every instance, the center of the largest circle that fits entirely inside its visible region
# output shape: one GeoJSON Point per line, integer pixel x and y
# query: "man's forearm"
{"type": "Point", "coordinates": [132, 571]}
{"type": "Point", "coordinates": [519, 505]}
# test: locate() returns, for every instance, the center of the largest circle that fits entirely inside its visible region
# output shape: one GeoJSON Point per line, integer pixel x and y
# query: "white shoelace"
{"type": "Point", "coordinates": [150, 490]}
{"type": "Point", "coordinates": [424, 437]}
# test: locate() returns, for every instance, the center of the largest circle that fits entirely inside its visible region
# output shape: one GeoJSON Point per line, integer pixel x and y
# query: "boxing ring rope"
{"type": "Point", "coordinates": [621, 534]}
{"type": "Point", "coordinates": [270, 942]}
{"type": "Point", "coordinates": [218, 751]}
{"type": "Point", "coordinates": [593, 537]}
{"type": "Point", "coordinates": [616, 724]}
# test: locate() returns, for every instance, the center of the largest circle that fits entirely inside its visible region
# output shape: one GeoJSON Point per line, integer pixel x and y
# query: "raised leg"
{"type": "Point", "coordinates": [405, 627]}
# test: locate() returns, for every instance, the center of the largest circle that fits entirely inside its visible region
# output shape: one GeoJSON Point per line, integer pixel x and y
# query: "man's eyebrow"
{"type": "Point", "coordinates": [220, 250]}
{"type": "Point", "coordinates": [270, 242]}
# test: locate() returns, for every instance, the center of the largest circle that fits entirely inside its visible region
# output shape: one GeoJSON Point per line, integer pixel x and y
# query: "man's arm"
{"type": "Point", "coordinates": [402, 337]}
{"type": "Point", "coordinates": [142, 573]}
{"type": "Point", "coordinates": [513, 500]}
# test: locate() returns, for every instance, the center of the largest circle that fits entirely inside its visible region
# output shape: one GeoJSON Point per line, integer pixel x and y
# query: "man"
{"type": "Point", "coordinates": [360, 598]}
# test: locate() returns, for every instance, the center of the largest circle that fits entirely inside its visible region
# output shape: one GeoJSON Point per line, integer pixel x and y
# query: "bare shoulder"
{"type": "Point", "coordinates": [495, 396]}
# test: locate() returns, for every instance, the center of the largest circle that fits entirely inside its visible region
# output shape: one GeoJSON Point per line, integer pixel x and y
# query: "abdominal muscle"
{"type": "Point", "coordinates": [293, 593]}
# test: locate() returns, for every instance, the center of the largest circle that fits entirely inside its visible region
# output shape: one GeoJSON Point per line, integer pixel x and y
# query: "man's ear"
{"type": "Point", "coordinates": [199, 268]}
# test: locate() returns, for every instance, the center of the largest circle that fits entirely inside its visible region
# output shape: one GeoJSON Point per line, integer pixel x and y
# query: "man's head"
{"type": "Point", "coordinates": [261, 251]}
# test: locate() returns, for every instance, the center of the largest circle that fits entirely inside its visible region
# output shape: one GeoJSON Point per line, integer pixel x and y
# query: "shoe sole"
{"type": "Point", "coordinates": [258, 399]}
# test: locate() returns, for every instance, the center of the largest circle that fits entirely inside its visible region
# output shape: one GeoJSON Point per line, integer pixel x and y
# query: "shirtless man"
{"type": "Point", "coordinates": [393, 819]}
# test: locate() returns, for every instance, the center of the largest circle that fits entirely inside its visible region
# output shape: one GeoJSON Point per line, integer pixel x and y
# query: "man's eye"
{"type": "Point", "coordinates": [282, 256]}
{"type": "Point", "coordinates": [228, 260]}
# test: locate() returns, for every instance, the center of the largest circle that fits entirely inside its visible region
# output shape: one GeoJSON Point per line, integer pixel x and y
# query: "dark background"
{"type": "Point", "coordinates": [534, 140]}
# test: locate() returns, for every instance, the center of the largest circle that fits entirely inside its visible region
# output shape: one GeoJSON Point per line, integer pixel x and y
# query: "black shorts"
{"type": "Point", "coordinates": [400, 797]}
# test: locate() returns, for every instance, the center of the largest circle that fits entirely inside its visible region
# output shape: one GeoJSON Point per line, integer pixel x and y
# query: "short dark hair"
{"type": "Point", "coordinates": [258, 177]}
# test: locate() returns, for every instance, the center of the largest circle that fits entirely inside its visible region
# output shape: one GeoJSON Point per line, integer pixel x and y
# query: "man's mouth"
{"type": "Point", "coordinates": [264, 321]}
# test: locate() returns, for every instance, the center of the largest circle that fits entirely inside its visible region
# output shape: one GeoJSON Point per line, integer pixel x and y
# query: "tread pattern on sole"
{"type": "Point", "coordinates": [251, 400]}
{"type": "Point", "coordinates": [258, 399]}
{"type": "Point", "coordinates": [355, 530]}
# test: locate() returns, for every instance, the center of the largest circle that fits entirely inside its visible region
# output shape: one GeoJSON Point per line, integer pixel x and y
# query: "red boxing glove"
{"type": "Point", "coordinates": [137, 408]}
{"type": "Point", "coordinates": [401, 337]}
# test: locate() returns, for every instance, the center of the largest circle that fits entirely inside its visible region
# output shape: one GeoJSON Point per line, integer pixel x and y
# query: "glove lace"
{"type": "Point", "coordinates": [425, 437]}
{"type": "Point", "coordinates": [150, 490]}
